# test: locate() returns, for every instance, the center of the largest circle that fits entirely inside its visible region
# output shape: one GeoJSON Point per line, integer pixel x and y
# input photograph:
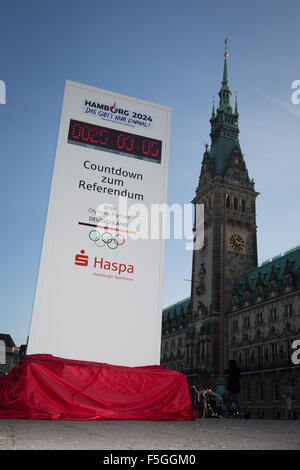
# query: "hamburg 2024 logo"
{"type": "Point", "coordinates": [113, 112]}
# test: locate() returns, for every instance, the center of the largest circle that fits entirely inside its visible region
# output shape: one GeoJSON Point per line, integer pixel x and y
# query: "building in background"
{"type": "Point", "coordinates": [11, 354]}
{"type": "Point", "coordinates": [256, 309]}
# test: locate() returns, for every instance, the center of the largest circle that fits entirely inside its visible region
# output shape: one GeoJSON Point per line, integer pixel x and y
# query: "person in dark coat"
{"type": "Point", "coordinates": [201, 404]}
{"type": "Point", "coordinates": [194, 396]}
{"type": "Point", "coordinates": [233, 388]}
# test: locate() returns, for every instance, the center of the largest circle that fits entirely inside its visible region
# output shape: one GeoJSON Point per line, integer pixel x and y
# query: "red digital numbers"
{"type": "Point", "coordinates": [150, 148]}
{"type": "Point", "coordinates": [123, 142]}
{"type": "Point", "coordinates": [103, 137]}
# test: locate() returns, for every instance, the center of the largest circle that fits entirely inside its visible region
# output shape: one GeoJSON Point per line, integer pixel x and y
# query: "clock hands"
{"type": "Point", "coordinates": [237, 242]}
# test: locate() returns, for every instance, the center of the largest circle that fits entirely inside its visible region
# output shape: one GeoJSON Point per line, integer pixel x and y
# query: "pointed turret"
{"type": "Point", "coordinates": [225, 72]}
{"type": "Point", "coordinates": [236, 105]}
{"type": "Point", "coordinates": [213, 113]}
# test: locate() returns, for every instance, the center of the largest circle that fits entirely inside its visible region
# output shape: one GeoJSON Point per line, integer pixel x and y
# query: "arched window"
{"type": "Point", "coordinates": [228, 202]}
{"type": "Point", "coordinates": [243, 205]}
{"type": "Point", "coordinates": [235, 203]}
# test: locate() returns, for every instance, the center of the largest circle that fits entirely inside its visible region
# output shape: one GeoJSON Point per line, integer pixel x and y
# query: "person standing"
{"type": "Point", "coordinates": [233, 388]}
{"type": "Point", "coordinates": [202, 404]}
{"type": "Point", "coordinates": [194, 396]}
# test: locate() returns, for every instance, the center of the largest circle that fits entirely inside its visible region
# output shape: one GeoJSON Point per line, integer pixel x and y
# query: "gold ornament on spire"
{"type": "Point", "coordinates": [226, 53]}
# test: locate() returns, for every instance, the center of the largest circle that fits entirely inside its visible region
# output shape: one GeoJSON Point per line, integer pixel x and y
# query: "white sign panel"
{"type": "Point", "coordinates": [99, 290]}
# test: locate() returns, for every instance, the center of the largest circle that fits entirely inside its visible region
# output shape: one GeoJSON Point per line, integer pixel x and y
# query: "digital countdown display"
{"type": "Point", "coordinates": [112, 140]}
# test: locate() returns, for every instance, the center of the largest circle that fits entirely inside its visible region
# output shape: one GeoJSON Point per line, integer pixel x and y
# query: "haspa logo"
{"type": "Point", "coordinates": [82, 259]}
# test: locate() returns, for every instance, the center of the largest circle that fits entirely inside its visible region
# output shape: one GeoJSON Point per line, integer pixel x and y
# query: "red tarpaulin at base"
{"type": "Point", "coordinates": [42, 386]}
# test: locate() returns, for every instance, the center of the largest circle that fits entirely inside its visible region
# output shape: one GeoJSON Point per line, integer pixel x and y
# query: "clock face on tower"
{"type": "Point", "coordinates": [236, 242]}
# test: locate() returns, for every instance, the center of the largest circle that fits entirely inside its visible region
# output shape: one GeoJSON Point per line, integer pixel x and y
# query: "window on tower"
{"type": "Point", "coordinates": [288, 310]}
{"type": "Point", "coordinates": [274, 314]}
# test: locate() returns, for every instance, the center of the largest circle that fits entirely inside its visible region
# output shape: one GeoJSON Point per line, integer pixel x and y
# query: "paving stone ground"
{"type": "Point", "coordinates": [201, 434]}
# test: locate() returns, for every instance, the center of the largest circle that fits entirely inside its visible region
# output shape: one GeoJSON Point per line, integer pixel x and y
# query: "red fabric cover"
{"type": "Point", "coordinates": [42, 386]}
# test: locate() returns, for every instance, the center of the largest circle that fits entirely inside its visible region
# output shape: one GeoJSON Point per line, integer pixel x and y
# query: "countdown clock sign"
{"type": "Point", "coordinates": [116, 141]}
{"type": "Point", "coordinates": [99, 290]}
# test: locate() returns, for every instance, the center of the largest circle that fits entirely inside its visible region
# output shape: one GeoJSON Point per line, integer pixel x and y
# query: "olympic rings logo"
{"type": "Point", "coordinates": [106, 239]}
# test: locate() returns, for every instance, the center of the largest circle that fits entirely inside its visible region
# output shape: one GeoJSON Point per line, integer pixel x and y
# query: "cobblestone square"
{"type": "Point", "coordinates": [201, 434]}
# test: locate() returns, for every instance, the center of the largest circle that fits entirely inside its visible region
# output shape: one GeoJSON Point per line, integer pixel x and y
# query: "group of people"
{"type": "Point", "coordinates": [210, 404]}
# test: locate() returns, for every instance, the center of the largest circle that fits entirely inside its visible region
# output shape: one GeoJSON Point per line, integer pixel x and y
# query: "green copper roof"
{"type": "Point", "coordinates": [274, 268]}
{"type": "Point", "coordinates": [176, 309]}
{"type": "Point", "coordinates": [220, 153]}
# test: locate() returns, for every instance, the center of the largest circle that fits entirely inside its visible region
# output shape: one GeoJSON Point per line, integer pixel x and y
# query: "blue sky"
{"type": "Point", "coordinates": [166, 51]}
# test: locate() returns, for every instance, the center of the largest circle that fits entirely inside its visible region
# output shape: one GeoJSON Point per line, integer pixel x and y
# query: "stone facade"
{"type": "Point", "coordinates": [262, 325]}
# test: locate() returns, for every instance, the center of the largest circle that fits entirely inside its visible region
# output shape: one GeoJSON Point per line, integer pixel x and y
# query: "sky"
{"type": "Point", "coordinates": [168, 52]}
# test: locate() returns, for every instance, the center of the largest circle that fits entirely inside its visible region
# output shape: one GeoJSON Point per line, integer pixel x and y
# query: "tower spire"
{"type": "Point", "coordinates": [225, 93]}
{"type": "Point", "coordinates": [225, 71]}
{"type": "Point", "coordinates": [224, 124]}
